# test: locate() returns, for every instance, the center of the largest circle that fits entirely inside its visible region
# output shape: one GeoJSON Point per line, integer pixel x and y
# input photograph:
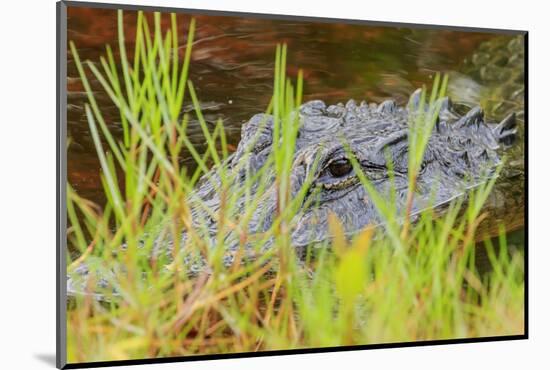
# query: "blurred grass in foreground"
{"type": "Point", "coordinates": [406, 282]}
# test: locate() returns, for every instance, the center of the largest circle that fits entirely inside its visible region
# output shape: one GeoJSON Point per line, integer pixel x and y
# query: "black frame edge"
{"type": "Point", "coordinates": [285, 352]}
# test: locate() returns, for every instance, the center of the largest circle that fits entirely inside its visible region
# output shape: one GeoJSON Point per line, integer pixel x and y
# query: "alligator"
{"type": "Point", "coordinates": [462, 152]}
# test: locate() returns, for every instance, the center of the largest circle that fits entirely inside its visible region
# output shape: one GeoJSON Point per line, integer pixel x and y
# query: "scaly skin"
{"type": "Point", "coordinates": [462, 152]}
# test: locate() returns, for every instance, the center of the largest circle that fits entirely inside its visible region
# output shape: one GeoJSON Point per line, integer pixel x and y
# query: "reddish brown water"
{"type": "Point", "coordinates": [232, 69]}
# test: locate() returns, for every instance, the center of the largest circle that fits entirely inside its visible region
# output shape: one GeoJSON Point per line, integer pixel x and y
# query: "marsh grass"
{"type": "Point", "coordinates": [403, 282]}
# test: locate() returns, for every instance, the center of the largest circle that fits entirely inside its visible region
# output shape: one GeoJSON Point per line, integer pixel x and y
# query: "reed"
{"type": "Point", "coordinates": [403, 282]}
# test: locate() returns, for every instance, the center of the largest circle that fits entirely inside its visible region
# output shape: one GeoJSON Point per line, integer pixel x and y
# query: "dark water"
{"type": "Point", "coordinates": [232, 69]}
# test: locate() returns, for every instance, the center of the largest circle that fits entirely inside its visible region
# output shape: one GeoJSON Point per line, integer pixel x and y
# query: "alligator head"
{"type": "Point", "coordinates": [463, 150]}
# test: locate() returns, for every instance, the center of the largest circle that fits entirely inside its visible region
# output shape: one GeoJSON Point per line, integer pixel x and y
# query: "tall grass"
{"type": "Point", "coordinates": [382, 285]}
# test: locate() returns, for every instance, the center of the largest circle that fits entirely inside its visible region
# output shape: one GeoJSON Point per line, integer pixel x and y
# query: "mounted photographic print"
{"type": "Point", "coordinates": [236, 184]}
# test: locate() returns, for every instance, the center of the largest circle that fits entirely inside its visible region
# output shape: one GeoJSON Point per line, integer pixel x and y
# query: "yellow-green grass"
{"type": "Point", "coordinates": [398, 283]}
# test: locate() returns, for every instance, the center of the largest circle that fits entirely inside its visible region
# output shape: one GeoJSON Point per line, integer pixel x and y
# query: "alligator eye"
{"type": "Point", "coordinates": [340, 167]}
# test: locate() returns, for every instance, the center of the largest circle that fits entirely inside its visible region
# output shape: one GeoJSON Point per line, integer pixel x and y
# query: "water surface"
{"type": "Point", "coordinates": [232, 69]}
